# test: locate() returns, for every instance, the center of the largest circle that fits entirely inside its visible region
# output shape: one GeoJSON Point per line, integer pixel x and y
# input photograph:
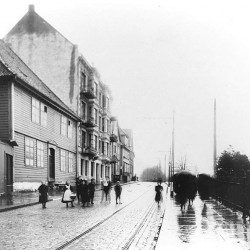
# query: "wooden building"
{"type": "Point", "coordinates": [38, 132]}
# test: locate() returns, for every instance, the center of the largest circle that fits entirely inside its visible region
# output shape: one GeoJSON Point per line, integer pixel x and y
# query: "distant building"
{"type": "Point", "coordinates": [127, 155]}
{"type": "Point", "coordinates": [38, 132]}
{"type": "Point", "coordinates": [64, 69]}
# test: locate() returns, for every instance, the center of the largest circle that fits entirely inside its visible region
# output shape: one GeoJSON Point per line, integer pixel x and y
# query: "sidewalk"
{"type": "Point", "coordinates": [204, 225]}
{"type": "Point", "coordinates": [16, 200]}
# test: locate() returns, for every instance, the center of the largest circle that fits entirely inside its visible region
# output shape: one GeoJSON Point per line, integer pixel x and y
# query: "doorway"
{"type": "Point", "coordinates": [52, 164]}
{"type": "Point", "coordinates": [9, 172]}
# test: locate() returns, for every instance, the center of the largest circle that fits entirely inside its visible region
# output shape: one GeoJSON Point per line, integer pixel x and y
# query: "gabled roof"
{"type": "Point", "coordinates": [32, 23]}
{"type": "Point", "coordinates": [12, 65]}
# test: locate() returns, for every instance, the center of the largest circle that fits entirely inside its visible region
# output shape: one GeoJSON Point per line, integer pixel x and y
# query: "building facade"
{"type": "Point", "coordinates": [67, 73]}
{"type": "Point", "coordinates": [38, 132]}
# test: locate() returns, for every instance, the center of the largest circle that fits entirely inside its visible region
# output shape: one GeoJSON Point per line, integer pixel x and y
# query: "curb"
{"type": "Point", "coordinates": [20, 206]}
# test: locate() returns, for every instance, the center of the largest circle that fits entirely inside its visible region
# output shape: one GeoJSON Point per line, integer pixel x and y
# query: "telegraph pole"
{"type": "Point", "coordinates": [172, 174]}
{"type": "Point", "coordinates": [215, 141]}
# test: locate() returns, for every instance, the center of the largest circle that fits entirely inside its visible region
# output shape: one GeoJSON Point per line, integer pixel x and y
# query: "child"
{"type": "Point", "coordinates": [118, 191]}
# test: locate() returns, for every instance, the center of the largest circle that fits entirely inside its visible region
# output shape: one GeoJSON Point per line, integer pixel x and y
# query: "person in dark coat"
{"type": "Point", "coordinates": [158, 190]}
{"type": "Point", "coordinates": [85, 193]}
{"type": "Point", "coordinates": [78, 188]}
{"type": "Point", "coordinates": [107, 188]}
{"type": "Point", "coordinates": [91, 187]}
{"type": "Point", "coordinates": [43, 194]}
{"type": "Point", "coordinates": [118, 191]}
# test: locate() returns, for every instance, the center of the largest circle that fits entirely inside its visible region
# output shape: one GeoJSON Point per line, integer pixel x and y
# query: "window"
{"type": "Point", "coordinates": [70, 162]}
{"type": "Point", "coordinates": [43, 115]}
{"type": "Point", "coordinates": [83, 81]}
{"type": "Point", "coordinates": [95, 115]}
{"type": "Point", "coordinates": [101, 170]}
{"type": "Point", "coordinates": [29, 152]}
{"type": "Point", "coordinates": [82, 166]}
{"type": "Point", "coordinates": [95, 88]}
{"type": "Point", "coordinates": [107, 126]}
{"type": "Point", "coordinates": [84, 106]}
{"type": "Point", "coordinates": [35, 110]}
{"type": "Point", "coordinates": [63, 160]}
{"type": "Point", "coordinates": [39, 112]}
{"type": "Point", "coordinates": [103, 101]}
{"type": "Point", "coordinates": [40, 154]}
{"type": "Point", "coordinates": [86, 168]}
{"type": "Point", "coordinates": [63, 125]}
{"type": "Point", "coordinates": [70, 129]}
{"type": "Point", "coordinates": [103, 124]}
{"type": "Point", "coordinates": [95, 142]}
{"type": "Point", "coordinates": [107, 103]}
{"type": "Point", "coordinates": [107, 148]}
{"type": "Point", "coordinates": [92, 169]}
{"type": "Point", "coordinates": [103, 150]}
{"type": "Point", "coordinates": [100, 146]}
{"type": "Point", "coordinates": [83, 139]}
{"type": "Point", "coordinates": [100, 98]}
{"type": "Point", "coordinates": [90, 112]}
{"type": "Point", "coordinates": [100, 123]}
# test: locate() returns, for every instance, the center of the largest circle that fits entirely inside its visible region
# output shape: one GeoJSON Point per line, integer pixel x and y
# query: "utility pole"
{"type": "Point", "coordinates": [172, 191]}
{"type": "Point", "coordinates": [215, 141]}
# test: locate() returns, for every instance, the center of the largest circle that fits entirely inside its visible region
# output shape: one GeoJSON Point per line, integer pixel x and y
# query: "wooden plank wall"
{"type": "Point", "coordinates": [24, 127]}
{"type": "Point", "coordinates": [4, 112]}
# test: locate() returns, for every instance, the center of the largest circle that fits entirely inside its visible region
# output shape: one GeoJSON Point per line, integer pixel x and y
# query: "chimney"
{"type": "Point", "coordinates": [31, 8]}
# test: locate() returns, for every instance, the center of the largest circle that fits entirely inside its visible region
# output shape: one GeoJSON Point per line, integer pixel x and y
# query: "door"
{"type": "Point", "coordinates": [52, 164]}
{"type": "Point", "coordinates": [9, 172]}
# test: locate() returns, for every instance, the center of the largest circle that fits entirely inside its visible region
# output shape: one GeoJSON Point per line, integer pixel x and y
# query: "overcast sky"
{"type": "Point", "coordinates": [160, 56]}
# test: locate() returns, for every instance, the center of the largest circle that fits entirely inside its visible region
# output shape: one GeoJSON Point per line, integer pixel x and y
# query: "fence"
{"type": "Point", "coordinates": [234, 193]}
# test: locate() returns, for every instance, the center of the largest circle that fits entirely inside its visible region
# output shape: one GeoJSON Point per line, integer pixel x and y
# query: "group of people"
{"type": "Point", "coordinates": [85, 192]}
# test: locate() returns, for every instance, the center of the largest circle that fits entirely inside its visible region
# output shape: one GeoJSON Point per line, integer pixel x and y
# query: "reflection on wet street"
{"type": "Point", "coordinates": [205, 224]}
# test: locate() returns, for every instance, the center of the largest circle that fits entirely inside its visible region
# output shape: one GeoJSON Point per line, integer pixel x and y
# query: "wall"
{"type": "Point", "coordinates": [24, 127]}
{"type": "Point", "coordinates": [53, 59]}
{"type": "Point", "coordinates": [4, 148]}
{"type": "Point", "coordinates": [5, 121]}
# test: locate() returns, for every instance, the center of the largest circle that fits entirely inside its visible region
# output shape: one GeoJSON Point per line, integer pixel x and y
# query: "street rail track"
{"type": "Point", "coordinates": [132, 237]}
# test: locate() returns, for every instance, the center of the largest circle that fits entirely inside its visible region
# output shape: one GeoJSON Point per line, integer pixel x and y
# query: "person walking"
{"type": "Point", "coordinates": [107, 188]}
{"type": "Point", "coordinates": [91, 187]}
{"type": "Point", "coordinates": [85, 193]}
{"type": "Point", "coordinates": [67, 195]}
{"type": "Point", "coordinates": [43, 194]}
{"type": "Point", "coordinates": [102, 188]}
{"type": "Point", "coordinates": [78, 188]}
{"type": "Point", "coordinates": [158, 195]}
{"type": "Point", "coordinates": [118, 191]}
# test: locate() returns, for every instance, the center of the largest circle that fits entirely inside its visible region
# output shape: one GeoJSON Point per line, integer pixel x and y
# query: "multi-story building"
{"type": "Point", "coordinates": [127, 155]}
{"type": "Point", "coordinates": [60, 65]}
{"type": "Point", "coordinates": [38, 132]}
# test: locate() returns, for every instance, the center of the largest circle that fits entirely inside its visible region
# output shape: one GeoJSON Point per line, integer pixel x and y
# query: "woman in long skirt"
{"type": "Point", "coordinates": [158, 195]}
{"type": "Point", "coordinates": [43, 194]}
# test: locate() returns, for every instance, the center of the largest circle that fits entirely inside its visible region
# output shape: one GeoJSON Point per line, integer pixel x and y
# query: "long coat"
{"type": "Point", "coordinates": [43, 190]}
{"type": "Point", "coordinates": [84, 192]}
{"type": "Point", "coordinates": [158, 195]}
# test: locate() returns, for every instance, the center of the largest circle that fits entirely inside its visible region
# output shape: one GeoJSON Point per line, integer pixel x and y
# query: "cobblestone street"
{"type": "Point", "coordinates": [36, 228]}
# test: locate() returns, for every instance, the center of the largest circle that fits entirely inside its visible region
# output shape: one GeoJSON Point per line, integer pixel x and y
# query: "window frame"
{"type": "Point", "coordinates": [62, 160]}
{"type": "Point", "coordinates": [29, 152]}
{"type": "Point", "coordinates": [40, 154]}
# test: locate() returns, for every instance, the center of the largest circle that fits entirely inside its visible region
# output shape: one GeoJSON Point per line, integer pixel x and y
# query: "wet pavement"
{"type": "Point", "coordinates": [50, 228]}
{"type": "Point", "coordinates": [203, 225]}
{"type": "Point", "coordinates": [16, 200]}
